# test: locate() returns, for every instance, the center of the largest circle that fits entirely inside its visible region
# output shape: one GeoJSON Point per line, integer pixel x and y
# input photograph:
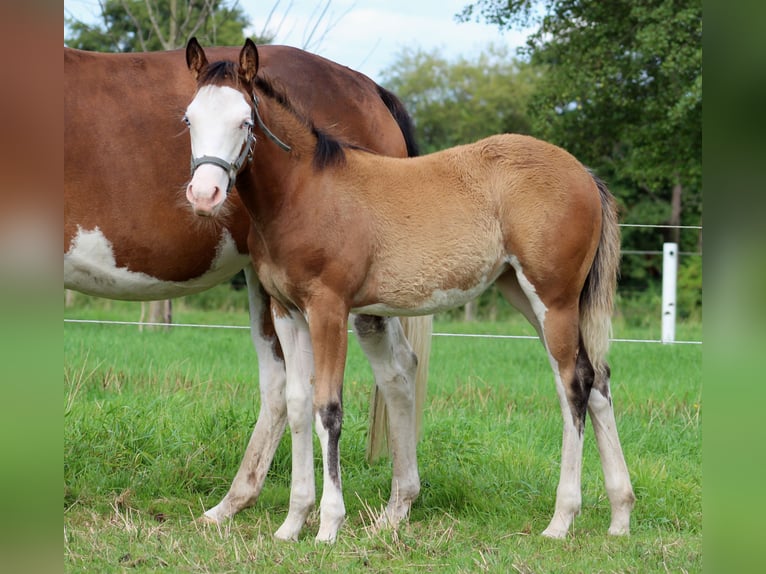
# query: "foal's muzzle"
{"type": "Point", "coordinates": [231, 169]}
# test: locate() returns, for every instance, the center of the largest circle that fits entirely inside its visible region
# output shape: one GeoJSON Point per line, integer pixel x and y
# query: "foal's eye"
{"type": "Point", "coordinates": [186, 121]}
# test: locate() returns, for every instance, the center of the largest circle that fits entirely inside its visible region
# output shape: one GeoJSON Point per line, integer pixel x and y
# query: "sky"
{"type": "Point", "coordinates": [366, 35]}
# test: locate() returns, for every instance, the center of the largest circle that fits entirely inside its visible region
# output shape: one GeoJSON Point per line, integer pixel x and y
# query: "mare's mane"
{"type": "Point", "coordinates": [328, 151]}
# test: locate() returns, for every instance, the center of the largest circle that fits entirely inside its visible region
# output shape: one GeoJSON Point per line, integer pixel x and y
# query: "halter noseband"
{"type": "Point", "coordinates": [232, 169]}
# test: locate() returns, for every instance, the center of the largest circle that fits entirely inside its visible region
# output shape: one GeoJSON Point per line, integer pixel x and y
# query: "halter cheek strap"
{"type": "Point", "coordinates": [265, 129]}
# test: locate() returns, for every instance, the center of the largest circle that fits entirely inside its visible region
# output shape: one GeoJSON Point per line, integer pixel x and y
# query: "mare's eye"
{"type": "Point", "coordinates": [186, 121]}
{"type": "Point", "coordinates": [247, 125]}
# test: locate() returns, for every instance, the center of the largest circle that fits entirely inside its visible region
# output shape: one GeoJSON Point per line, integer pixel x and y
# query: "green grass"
{"type": "Point", "coordinates": [155, 424]}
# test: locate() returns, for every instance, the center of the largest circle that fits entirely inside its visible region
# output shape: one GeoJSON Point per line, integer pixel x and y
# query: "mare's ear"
{"type": "Point", "coordinates": [195, 57]}
{"type": "Point", "coordinates": [248, 61]}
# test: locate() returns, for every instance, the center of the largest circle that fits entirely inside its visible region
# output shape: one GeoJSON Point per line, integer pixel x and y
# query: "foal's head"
{"type": "Point", "coordinates": [220, 120]}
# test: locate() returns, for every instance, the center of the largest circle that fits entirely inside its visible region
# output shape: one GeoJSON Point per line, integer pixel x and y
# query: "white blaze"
{"type": "Point", "coordinates": [216, 119]}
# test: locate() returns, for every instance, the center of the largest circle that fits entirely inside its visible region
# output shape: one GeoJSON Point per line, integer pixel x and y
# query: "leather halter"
{"type": "Point", "coordinates": [232, 169]}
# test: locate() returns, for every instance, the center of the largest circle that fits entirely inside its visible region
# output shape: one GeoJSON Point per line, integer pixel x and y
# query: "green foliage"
{"type": "Point", "coordinates": [137, 25]}
{"type": "Point", "coordinates": [461, 101]}
{"type": "Point", "coordinates": [690, 288]}
{"type": "Point", "coordinates": [621, 89]}
{"type": "Point", "coordinates": [505, 14]}
{"type": "Point", "coordinates": [228, 296]}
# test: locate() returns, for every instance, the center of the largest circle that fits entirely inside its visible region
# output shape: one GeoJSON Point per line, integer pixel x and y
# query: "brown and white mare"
{"type": "Point", "coordinates": [338, 230]}
{"type": "Point", "coordinates": [130, 234]}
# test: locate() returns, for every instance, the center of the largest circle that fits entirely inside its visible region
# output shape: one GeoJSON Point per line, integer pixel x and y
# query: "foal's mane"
{"type": "Point", "coordinates": [328, 151]}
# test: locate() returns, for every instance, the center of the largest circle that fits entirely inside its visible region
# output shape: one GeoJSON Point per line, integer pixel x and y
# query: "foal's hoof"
{"type": "Point", "coordinates": [328, 529]}
{"type": "Point", "coordinates": [555, 533]}
{"type": "Point", "coordinates": [558, 527]}
{"type": "Point", "coordinates": [205, 519]}
{"type": "Point", "coordinates": [219, 514]}
{"type": "Point", "coordinates": [290, 528]}
{"type": "Point", "coordinates": [327, 537]}
{"type": "Point", "coordinates": [286, 535]}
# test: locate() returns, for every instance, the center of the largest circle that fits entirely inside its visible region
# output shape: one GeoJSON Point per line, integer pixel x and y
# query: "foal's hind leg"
{"type": "Point", "coordinates": [270, 426]}
{"type": "Point", "coordinates": [574, 379]}
{"type": "Point", "coordinates": [616, 476]}
{"type": "Point", "coordinates": [394, 367]}
{"type": "Point", "coordinates": [559, 330]}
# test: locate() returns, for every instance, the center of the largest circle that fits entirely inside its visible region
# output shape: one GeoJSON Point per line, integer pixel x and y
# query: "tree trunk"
{"type": "Point", "coordinates": [470, 311]}
{"type": "Point", "coordinates": [173, 33]}
{"type": "Point", "coordinates": [156, 312]}
{"type": "Point", "coordinates": [675, 211]}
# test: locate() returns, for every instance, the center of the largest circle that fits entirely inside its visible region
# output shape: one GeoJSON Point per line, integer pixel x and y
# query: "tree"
{"type": "Point", "coordinates": [147, 25]}
{"type": "Point", "coordinates": [460, 102]}
{"type": "Point", "coordinates": [622, 90]}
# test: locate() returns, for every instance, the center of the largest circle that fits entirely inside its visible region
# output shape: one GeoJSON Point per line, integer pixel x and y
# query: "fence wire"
{"type": "Point", "coordinates": [661, 226]}
{"type": "Point", "coordinates": [464, 335]}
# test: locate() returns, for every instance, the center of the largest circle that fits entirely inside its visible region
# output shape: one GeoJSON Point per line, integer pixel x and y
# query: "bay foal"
{"type": "Point", "coordinates": [337, 229]}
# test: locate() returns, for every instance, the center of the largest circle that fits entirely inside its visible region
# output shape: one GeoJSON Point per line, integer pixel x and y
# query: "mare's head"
{"type": "Point", "coordinates": [220, 120]}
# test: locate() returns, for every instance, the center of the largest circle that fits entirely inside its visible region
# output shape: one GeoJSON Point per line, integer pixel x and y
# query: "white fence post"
{"type": "Point", "coordinates": [669, 275]}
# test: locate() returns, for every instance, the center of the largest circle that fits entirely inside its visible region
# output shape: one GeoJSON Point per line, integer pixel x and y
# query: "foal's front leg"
{"type": "Point", "coordinates": [293, 333]}
{"type": "Point", "coordinates": [328, 324]}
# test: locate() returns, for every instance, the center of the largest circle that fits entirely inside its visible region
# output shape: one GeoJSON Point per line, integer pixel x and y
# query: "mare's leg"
{"type": "Point", "coordinates": [294, 336]}
{"type": "Point", "coordinates": [559, 330]}
{"type": "Point", "coordinates": [418, 331]}
{"type": "Point", "coordinates": [394, 367]}
{"type": "Point", "coordinates": [328, 324]}
{"type": "Point", "coordinates": [616, 476]}
{"type": "Point", "coordinates": [270, 426]}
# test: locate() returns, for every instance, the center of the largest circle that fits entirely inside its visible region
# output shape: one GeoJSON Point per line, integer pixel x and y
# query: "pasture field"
{"type": "Point", "coordinates": [155, 423]}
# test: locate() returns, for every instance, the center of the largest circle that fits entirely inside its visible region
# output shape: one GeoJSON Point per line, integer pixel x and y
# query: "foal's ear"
{"type": "Point", "coordinates": [195, 57]}
{"type": "Point", "coordinates": [248, 61]}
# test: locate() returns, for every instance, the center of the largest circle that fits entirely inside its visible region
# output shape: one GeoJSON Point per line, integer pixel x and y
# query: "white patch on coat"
{"type": "Point", "coordinates": [90, 267]}
{"type": "Point", "coordinates": [538, 307]}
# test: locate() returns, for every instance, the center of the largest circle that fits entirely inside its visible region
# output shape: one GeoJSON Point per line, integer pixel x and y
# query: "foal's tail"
{"type": "Point", "coordinates": [597, 297]}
